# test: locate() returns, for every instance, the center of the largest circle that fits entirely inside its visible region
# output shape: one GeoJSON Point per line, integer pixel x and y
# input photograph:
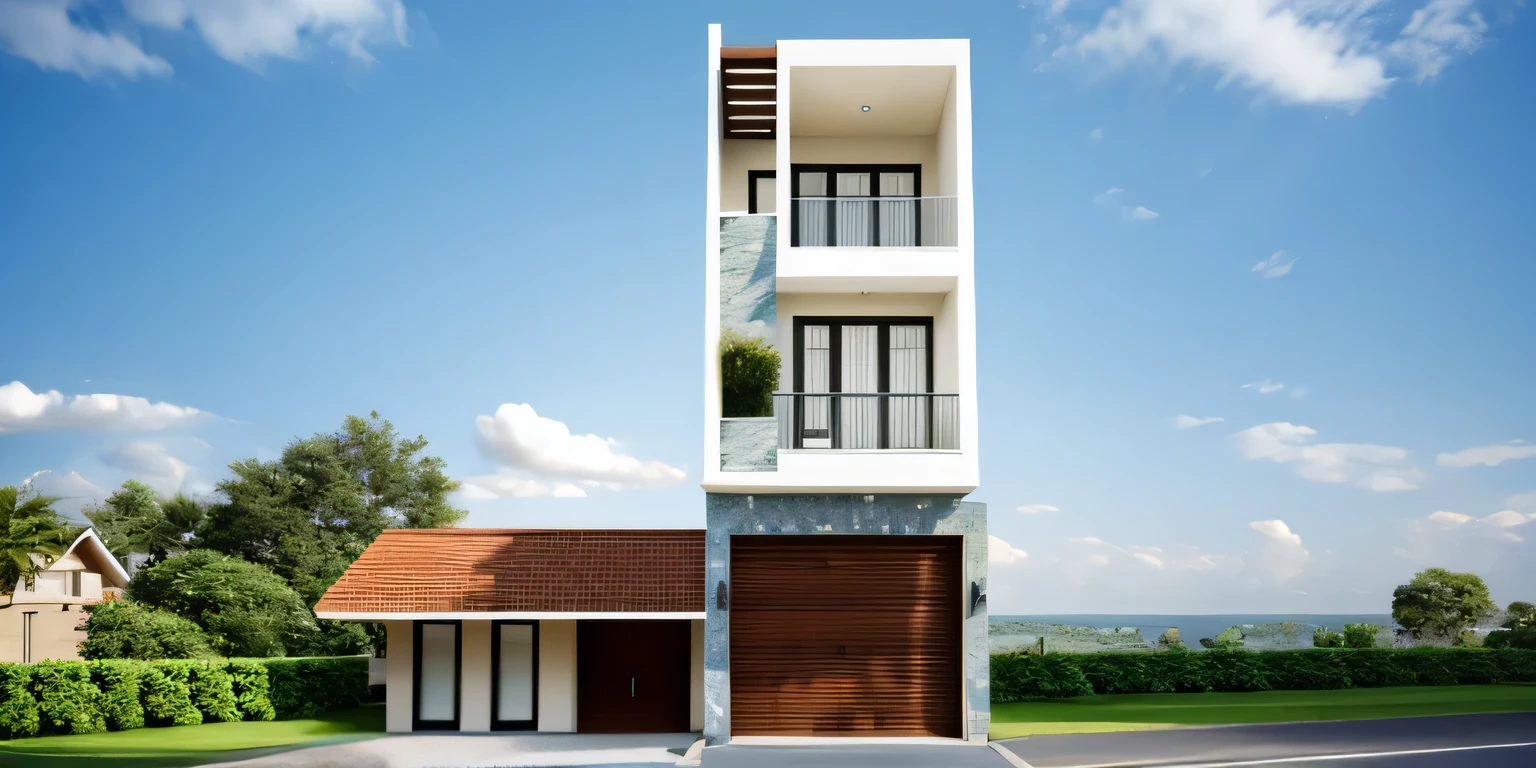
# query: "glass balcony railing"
{"type": "Point", "coordinates": [869, 421]}
{"type": "Point", "coordinates": [891, 222]}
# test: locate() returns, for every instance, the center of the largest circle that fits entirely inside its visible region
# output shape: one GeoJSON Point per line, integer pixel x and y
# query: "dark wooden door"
{"type": "Point", "coordinates": [853, 635]}
{"type": "Point", "coordinates": [632, 676]}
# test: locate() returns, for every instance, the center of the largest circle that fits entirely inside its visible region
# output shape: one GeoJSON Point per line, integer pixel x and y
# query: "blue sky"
{"type": "Point", "coordinates": [437, 210]}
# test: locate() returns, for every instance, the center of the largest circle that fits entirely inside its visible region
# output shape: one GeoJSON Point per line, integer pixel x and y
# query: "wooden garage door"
{"type": "Point", "coordinates": [845, 634]}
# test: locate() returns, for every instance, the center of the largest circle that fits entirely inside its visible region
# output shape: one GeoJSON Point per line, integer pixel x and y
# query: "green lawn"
{"type": "Point", "coordinates": [1137, 712]}
{"type": "Point", "coordinates": [192, 744]}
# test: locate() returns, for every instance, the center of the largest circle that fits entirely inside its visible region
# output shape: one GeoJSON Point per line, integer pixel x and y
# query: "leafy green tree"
{"type": "Point", "coordinates": [1231, 637]}
{"type": "Point", "coordinates": [310, 513]}
{"type": "Point", "coordinates": [1322, 638]}
{"type": "Point", "coordinates": [122, 629]}
{"type": "Point", "coordinates": [134, 520]}
{"type": "Point", "coordinates": [245, 608]}
{"type": "Point", "coordinates": [1360, 635]}
{"type": "Point", "coordinates": [28, 526]}
{"type": "Point", "coordinates": [1520, 615]}
{"type": "Point", "coordinates": [1440, 604]}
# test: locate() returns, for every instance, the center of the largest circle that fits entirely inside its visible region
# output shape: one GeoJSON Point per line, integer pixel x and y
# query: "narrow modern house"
{"type": "Point", "coordinates": [42, 621]}
{"type": "Point", "coordinates": [838, 587]}
{"type": "Point", "coordinates": [847, 575]}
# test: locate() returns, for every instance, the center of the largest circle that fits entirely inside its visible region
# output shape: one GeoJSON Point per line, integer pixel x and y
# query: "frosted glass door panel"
{"type": "Point", "coordinates": [514, 692]}
{"type": "Point", "coordinates": [860, 416]}
{"type": "Point", "coordinates": [439, 689]}
{"type": "Point", "coordinates": [909, 374]}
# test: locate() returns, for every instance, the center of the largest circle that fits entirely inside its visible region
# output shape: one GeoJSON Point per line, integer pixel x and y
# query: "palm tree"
{"type": "Point", "coordinates": [28, 526]}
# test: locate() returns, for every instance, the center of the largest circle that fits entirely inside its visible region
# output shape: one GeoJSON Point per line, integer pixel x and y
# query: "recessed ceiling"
{"type": "Point", "coordinates": [902, 101]}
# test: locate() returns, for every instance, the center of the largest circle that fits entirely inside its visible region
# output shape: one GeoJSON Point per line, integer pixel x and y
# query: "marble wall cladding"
{"type": "Point", "coordinates": [749, 445]}
{"type": "Point", "coordinates": [748, 253]}
{"type": "Point", "coordinates": [727, 515]}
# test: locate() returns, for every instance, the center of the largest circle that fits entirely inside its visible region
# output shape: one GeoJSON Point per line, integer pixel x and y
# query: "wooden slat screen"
{"type": "Point", "coordinates": [845, 634]}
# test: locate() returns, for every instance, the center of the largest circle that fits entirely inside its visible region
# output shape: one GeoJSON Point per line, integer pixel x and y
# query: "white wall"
{"type": "Point", "coordinates": [475, 676]}
{"type": "Point", "coordinates": [946, 147]}
{"type": "Point", "coordinates": [737, 156]}
{"type": "Point", "coordinates": [557, 676]}
{"type": "Point", "coordinates": [696, 678]}
{"type": "Point", "coordinates": [869, 149]}
{"type": "Point", "coordinates": [400, 687]}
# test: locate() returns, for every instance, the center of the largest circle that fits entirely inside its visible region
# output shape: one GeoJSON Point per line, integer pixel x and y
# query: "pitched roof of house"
{"type": "Point", "coordinates": [502, 570]}
{"type": "Point", "coordinates": [90, 554]}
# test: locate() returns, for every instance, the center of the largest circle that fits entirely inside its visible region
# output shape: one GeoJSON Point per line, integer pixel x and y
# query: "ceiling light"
{"type": "Point", "coordinates": [752, 103]}
{"type": "Point", "coordinates": [751, 87]}
{"type": "Point", "coordinates": [751, 130]}
{"type": "Point", "coordinates": [752, 117]}
{"type": "Point", "coordinates": [864, 108]}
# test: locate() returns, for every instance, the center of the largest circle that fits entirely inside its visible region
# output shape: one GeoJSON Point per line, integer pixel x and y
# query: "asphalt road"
{"type": "Point", "coordinates": [849, 756]}
{"type": "Point", "coordinates": [1266, 744]}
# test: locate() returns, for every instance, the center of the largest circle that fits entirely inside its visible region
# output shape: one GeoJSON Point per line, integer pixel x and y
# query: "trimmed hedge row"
{"type": "Point", "coordinates": [1020, 677]}
{"type": "Point", "coordinates": [120, 694]}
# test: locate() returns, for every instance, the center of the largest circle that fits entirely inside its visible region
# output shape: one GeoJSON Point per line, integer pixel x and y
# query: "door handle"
{"type": "Point", "coordinates": [631, 687]}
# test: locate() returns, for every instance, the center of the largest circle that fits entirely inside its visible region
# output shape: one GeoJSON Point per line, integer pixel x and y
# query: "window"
{"type": "Point", "coordinates": [864, 383]}
{"type": "Point", "coordinates": [514, 675]}
{"type": "Point", "coordinates": [438, 663]}
{"type": "Point", "coordinates": [762, 191]}
{"type": "Point", "coordinates": [856, 205]}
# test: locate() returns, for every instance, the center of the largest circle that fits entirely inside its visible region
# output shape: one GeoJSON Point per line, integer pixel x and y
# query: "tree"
{"type": "Point", "coordinates": [28, 526]}
{"type": "Point", "coordinates": [1520, 615]}
{"type": "Point", "coordinates": [309, 514]}
{"type": "Point", "coordinates": [120, 629]}
{"type": "Point", "coordinates": [1230, 638]}
{"type": "Point", "coordinates": [1322, 638]}
{"type": "Point", "coordinates": [134, 520]}
{"type": "Point", "coordinates": [1360, 635]}
{"type": "Point", "coordinates": [246, 609]}
{"type": "Point", "coordinates": [1440, 604]}
{"type": "Point", "coordinates": [1170, 639]}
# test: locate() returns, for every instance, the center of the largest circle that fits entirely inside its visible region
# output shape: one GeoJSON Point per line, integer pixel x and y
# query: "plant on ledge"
{"type": "Point", "coordinates": [749, 372]}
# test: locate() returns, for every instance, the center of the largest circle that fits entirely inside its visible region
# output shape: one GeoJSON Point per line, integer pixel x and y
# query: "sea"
{"type": "Point", "coordinates": [1193, 627]}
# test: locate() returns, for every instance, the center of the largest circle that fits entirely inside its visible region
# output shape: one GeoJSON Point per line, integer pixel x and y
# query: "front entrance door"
{"type": "Point", "coordinates": [632, 676]}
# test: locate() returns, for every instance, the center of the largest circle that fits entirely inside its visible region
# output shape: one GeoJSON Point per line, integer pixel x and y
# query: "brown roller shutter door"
{"type": "Point", "coordinates": [845, 634]}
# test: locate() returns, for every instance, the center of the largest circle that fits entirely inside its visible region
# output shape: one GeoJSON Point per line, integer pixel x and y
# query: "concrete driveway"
{"type": "Point", "coordinates": [452, 750]}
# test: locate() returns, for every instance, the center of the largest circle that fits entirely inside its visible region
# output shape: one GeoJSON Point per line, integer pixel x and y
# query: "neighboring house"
{"type": "Point", "coordinates": [43, 622]}
{"type": "Point", "coordinates": [839, 584]}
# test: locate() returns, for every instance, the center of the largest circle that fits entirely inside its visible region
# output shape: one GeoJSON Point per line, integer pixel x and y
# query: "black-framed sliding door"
{"type": "Point", "coordinates": [514, 675]}
{"type": "Point", "coordinates": [437, 664]}
{"type": "Point", "coordinates": [850, 205]}
{"type": "Point", "coordinates": [864, 382]}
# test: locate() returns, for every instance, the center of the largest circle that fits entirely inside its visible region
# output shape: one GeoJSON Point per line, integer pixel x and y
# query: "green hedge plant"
{"type": "Point", "coordinates": [749, 372]}
{"type": "Point", "coordinates": [67, 700]}
{"type": "Point", "coordinates": [18, 707]}
{"type": "Point", "coordinates": [120, 681]}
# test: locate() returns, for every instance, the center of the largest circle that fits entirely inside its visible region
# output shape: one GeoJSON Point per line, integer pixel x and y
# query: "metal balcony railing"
{"type": "Point", "coordinates": [870, 421]}
{"type": "Point", "coordinates": [893, 222]}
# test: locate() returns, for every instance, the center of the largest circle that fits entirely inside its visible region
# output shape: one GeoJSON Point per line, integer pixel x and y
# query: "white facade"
{"type": "Point", "coordinates": [919, 118]}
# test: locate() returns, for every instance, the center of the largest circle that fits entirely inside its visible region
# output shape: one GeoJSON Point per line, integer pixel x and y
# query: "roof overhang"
{"type": "Point", "coordinates": [500, 616]}
{"type": "Point", "coordinates": [92, 553]}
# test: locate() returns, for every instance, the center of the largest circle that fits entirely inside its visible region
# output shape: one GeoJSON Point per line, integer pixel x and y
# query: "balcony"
{"type": "Point", "coordinates": [867, 421]}
{"type": "Point", "coordinates": [885, 221]}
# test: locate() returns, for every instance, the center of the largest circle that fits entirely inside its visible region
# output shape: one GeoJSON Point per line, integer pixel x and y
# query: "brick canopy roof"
{"type": "Point", "coordinates": [502, 570]}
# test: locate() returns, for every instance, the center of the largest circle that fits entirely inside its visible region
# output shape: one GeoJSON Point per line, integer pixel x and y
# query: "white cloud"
{"type": "Point", "coordinates": [1300, 392]}
{"type": "Point", "coordinates": [1086, 540]}
{"type": "Point", "coordinates": [1375, 467]}
{"type": "Point", "coordinates": [1491, 455]}
{"type": "Point", "coordinates": [22, 409]}
{"type": "Point", "coordinates": [1507, 519]}
{"type": "Point", "coordinates": [1436, 34]}
{"type": "Point", "coordinates": [508, 485]}
{"type": "Point", "coordinates": [1108, 196]}
{"type": "Point", "coordinates": [1185, 421]}
{"type": "Point", "coordinates": [1000, 552]}
{"type": "Point", "coordinates": [42, 32]}
{"type": "Point", "coordinates": [1035, 509]}
{"type": "Point", "coordinates": [1138, 213]}
{"type": "Point", "coordinates": [543, 449]}
{"type": "Point", "coordinates": [1266, 386]}
{"type": "Point", "coordinates": [1282, 554]}
{"type": "Point", "coordinates": [1521, 501]}
{"type": "Point", "coordinates": [1455, 518]}
{"type": "Point", "coordinates": [248, 32]}
{"type": "Point", "coordinates": [150, 463]}
{"type": "Point", "coordinates": [1096, 135]}
{"type": "Point", "coordinates": [1277, 265]}
{"type": "Point", "coordinates": [1155, 562]}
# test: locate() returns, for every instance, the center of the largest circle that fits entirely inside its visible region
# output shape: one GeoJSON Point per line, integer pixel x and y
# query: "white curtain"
{"type": "Point", "coordinates": [908, 416]}
{"type": "Point", "coordinates": [854, 216]}
{"type": "Point", "coordinates": [514, 692]}
{"type": "Point", "coordinates": [898, 218]}
{"type": "Point", "coordinates": [439, 646]}
{"type": "Point", "coordinates": [860, 420]}
{"type": "Point", "coordinates": [817, 378]}
{"type": "Point", "coordinates": [812, 214]}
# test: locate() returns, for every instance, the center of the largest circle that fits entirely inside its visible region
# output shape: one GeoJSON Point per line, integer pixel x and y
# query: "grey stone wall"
{"type": "Point", "coordinates": [876, 515]}
{"type": "Point", "coordinates": [749, 445]}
